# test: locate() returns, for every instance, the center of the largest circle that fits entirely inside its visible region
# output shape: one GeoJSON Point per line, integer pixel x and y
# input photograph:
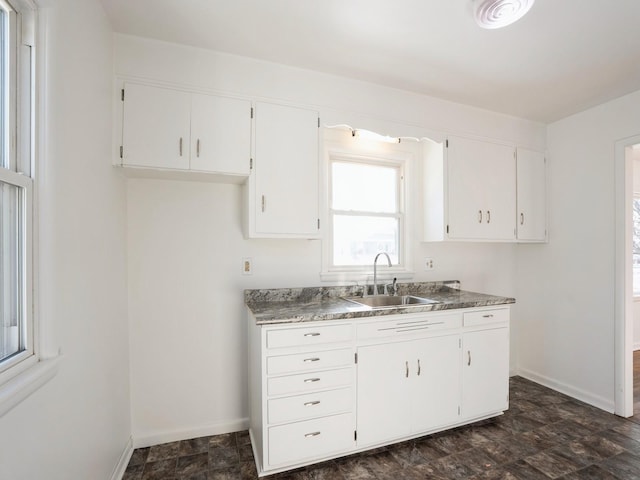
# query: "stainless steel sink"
{"type": "Point", "coordinates": [388, 301]}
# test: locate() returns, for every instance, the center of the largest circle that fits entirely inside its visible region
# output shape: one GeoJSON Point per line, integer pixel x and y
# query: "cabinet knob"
{"type": "Point", "coordinates": [522, 219]}
{"type": "Point", "coordinates": [469, 360]}
{"type": "Point", "coordinates": [419, 367]}
{"type": "Point", "coordinates": [198, 148]}
{"type": "Point", "coordinates": [479, 216]}
{"type": "Point", "coordinates": [407, 369]}
{"type": "Point", "coordinates": [488, 216]}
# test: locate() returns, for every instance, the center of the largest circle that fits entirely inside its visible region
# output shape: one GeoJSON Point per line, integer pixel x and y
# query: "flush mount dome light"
{"type": "Point", "coordinates": [499, 13]}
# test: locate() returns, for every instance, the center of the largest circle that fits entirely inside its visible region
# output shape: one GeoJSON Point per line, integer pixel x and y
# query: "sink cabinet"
{"type": "Point", "coordinates": [320, 390]}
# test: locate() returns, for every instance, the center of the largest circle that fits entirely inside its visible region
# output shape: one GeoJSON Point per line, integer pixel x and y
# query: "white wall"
{"type": "Point", "coordinates": [565, 289]}
{"type": "Point", "coordinates": [78, 425]}
{"type": "Point", "coordinates": [185, 244]}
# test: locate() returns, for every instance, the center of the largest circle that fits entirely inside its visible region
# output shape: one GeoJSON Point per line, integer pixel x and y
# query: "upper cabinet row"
{"type": "Point", "coordinates": [171, 133]}
{"type": "Point", "coordinates": [480, 191]}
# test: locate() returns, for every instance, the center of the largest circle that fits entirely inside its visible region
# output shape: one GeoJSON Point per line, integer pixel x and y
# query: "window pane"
{"type": "Point", "coordinates": [357, 240]}
{"type": "Point", "coordinates": [11, 327]}
{"type": "Point", "coordinates": [365, 188]}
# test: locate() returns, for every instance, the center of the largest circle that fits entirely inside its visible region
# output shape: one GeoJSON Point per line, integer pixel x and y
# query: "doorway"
{"type": "Point", "coordinates": [626, 151]}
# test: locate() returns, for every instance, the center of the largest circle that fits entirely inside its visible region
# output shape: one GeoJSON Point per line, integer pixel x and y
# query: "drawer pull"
{"type": "Point", "coordinates": [314, 359]}
{"type": "Point", "coordinates": [419, 367]}
{"type": "Point", "coordinates": [469, 361]}
{"type": "Point", "coordinates": [313, 334]}
{"type": "Point", "coordinates": [479, 216]}
{"type": "Point", "coordinates": [312, 434]}
{"type": "Point", "coordinates": [311, 404]}
{"type": "Point", "coordinates": [488, 316]}
{"type": "Point", "coordinates": [407, 369]}
{"type": "Point", "coordinates": [488, 216]}
{"type": "Point", "coordinates": [311, 380]}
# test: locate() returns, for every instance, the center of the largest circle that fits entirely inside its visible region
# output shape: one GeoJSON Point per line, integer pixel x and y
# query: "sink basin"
{"type": "Point", "coordinates": [388, 301]}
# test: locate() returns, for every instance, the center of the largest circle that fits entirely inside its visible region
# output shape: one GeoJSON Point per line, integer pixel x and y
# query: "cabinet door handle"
{"type": "Point", "coordinates": [406, 369]}
{"type": "Point", "coordinates": [198, 148]}
{"type": "Point", "coordinates": [311, 380]}
{"type": "Point", "coordinates": [488, 216]}
{"type": "Point", "coordinates": [312, 434]}
{"type": "Point", "coordinates": [479, 216]}
{"type": "Point", "coordinates": [314, 359]}
{"type": "Point", "coordinates": [488, 316]}
{"type": "Point", "coordinates": [419, 367]}
{"type": "Point", "coordinates": [313, 334]}
{"type": "Point", "coordinates": [264, 203]}
{"type": "Point", "coordinates": [521, 218]}
{"type": "Point", "coordinates": [469, 360]}
{"type": "Point", "coordinates": [180, 146]}
{"type": "Point", "coordinates": [311, 404]}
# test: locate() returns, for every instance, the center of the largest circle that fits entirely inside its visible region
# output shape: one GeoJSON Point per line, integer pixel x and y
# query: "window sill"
{"type": "Point", "coordinates": [366, 276]}
{"type": "Point", "coordinates": [25, 383]}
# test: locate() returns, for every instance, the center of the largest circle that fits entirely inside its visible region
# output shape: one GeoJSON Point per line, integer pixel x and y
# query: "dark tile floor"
{"type": "Point", "coordinates": [543, 435]}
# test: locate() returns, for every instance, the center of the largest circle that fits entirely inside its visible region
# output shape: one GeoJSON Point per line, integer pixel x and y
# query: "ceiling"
{"type": "Point", "coordinates": [564, 56]}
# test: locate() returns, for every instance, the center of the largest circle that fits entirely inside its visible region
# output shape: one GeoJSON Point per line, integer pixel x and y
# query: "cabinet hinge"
{"type": "Point", "coordinates": [122, 94]}
{"type": "Point", "coordinates": [251, 112]}
{"type": "Point", "coordinates": [356, 357]}
{"type": "Point", "coordinates": [446, 143]}
{"type": "Point", "coordinates": [121, 151]}
{"type": "Point", "coordinates": [355, 435]}
{"type": "Point", "coordinates": [251, 164]}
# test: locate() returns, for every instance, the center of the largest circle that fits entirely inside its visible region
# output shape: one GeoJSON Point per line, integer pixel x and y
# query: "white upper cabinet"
{"type": "Point", "coordinates": [532, 206]}
{"type": "Point", "coordinates": [156, 127]}
{"type": "Point", "coordinates": [181, 131]}
{"type": "Point", "coordinates": [283, 189]}
{"type": "Point", "coordinates": [472, 191]}
{"type": "Point", "coordinates": [481, 190]}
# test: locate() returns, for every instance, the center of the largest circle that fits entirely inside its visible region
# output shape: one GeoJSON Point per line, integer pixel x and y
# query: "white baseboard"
{"type": "Point", "coordinates": [118, 472]}
{"type": "Point", "coordinates": [602, 403]}
{"type": "Point", "coordinates": [148, 439]}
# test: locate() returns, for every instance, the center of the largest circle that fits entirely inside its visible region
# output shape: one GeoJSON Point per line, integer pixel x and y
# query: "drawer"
{"type": "Point", "coordinates": [312, 405]}
{"type": "Point", "coordinates": [304, 382]}
{"type": "Point", "coordinates": [303, 362]}
{"type": "Point", "coordinates": [303, 336]}
{"type": "Point", "coordinates": [485, 317]}
{"type": "Point", "coordinates": [409, 324]}
{"type": "Point", "coordinates": [295, 442]}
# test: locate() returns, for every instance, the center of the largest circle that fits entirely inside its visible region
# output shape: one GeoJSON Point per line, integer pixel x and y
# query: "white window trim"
{"type": "Point", "coordinates": [35, 368]}
{"type": "Point", "coordinates": [369, 152]}
{"type": "Point", "coordinates": [636, 297]}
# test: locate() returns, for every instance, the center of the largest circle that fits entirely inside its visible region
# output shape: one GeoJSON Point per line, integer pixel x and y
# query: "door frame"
{"type": "Point", "coordinates": [623, 278]}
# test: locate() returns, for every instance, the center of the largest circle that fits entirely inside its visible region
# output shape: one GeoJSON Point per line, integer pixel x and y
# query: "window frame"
{"type": "Point", "coordinates": [635, 293]}
{"type": "Point", "coordinates": [17, 169]}
{"type": "Point", "coordinates": [339, 145]}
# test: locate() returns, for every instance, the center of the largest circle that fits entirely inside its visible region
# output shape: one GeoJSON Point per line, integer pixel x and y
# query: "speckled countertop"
{"type": "Point", "coordinates": [291, 305]}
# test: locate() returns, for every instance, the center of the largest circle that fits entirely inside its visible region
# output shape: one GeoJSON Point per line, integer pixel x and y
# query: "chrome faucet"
{"type": "Point", "coordinates": [375, 271]}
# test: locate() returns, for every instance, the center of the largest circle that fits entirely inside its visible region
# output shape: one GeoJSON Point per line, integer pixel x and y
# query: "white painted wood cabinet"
{"type": "Point", "coordinates": [283, 188]}
{"type": "Point", "coordinates": [531, 201]}
{"type": "Point", "coordinates": [321, 390]}
{"type": "Point", "coordinates": [475, 190]}
{"type": "Point", "coordinates": [171, 129]}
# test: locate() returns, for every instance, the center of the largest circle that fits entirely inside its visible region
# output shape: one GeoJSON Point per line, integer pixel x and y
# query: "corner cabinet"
{"type": "Point", "coordinates": [283, 188]}
{"type": "Point", "coordinates": [172, 130]}
{"type": "Point", "coordinates": [532, 205]}
{"type": "Point", "coordinates": [321, 390]}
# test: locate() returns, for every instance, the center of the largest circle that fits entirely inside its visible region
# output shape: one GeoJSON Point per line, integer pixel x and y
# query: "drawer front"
{"type": "Point", "coordinates": [305, 382]}
{"type": "Point", "coordinates": [486, 317]}
{"type": "Point", "coordinates": [409, 325]}
{"type": "Point", "coordinates": [303, 362]}
{"type": "Point", "coordinates": [312, 405]}
{"type": "Point", "coordinates": [303, 336]}
{"type": "Point", "coordinates": [295, 442]}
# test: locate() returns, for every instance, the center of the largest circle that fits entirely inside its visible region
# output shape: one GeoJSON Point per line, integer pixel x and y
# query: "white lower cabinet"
{"type": "Point", "coordinates": [327, 389]}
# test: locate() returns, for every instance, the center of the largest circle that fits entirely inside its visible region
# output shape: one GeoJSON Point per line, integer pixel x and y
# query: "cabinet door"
{"type": "Point", "coordinates": [220, 134]}
{"type": "Point", "coordinates": [155, 129]}
{"type": "Point", "coordinates": [383, 393]}
{"type": "Point", "coordinates": [435, 396]}
{"type": "Point", "coordinates": [531, 220]}
{"type": "Point", "coordinates": [485, 372]}
{"type": "Point", "coordinates": [481, 187]}
{"type": "Point", "coordinates": [286, 170]}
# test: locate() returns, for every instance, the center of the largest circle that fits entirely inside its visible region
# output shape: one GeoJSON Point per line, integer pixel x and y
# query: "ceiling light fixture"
{"type": "Point", "coordinates": [499, 13]}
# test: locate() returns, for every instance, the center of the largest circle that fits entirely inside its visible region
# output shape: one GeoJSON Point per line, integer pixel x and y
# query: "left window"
{"type": "Point", "coordinates": [17, 328]}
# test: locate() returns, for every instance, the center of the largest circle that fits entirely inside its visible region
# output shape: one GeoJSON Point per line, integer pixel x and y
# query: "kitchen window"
{"type": "Point", "coordinates": [17, 328]}
{"type": "Point", "coordinates": [366, 207]}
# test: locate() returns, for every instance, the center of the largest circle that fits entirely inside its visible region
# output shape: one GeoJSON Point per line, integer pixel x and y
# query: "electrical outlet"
{"type": "Point", "coordinates": [428, 264]}
{"type": "Point", "coordinates": [247, 266]}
